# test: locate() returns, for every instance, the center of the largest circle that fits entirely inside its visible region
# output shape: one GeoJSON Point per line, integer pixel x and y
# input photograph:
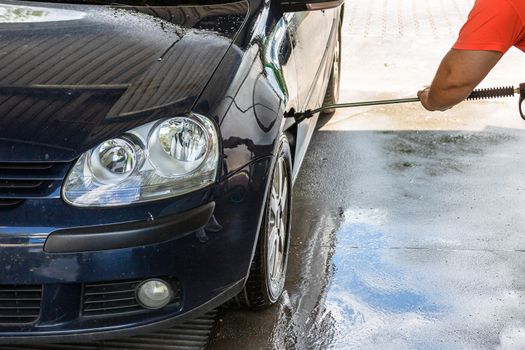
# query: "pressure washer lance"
{"type": "Point", "coordinates": [480, 94]}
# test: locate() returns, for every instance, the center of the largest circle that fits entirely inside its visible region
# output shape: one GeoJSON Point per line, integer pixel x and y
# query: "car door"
{"type": "Point", "coordinates": [313, 35]}
{"type": "Point", "coordinates": [310, 33]}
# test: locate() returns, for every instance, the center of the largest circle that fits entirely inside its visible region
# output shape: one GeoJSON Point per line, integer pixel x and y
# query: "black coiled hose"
{"type": "Point", "coordinates": [484, 94]}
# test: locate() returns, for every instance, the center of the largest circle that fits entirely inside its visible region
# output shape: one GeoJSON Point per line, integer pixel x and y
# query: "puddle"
{"type": "Point", "coordinates": [357, 293]}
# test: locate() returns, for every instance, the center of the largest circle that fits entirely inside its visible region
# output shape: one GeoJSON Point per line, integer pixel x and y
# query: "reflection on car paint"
{"type": "Point", "coordinates": [34, 14]}
{"type": "Point", "coordinates": [103, 68]}
{"type": "Point", "coordinates": [263, 76]}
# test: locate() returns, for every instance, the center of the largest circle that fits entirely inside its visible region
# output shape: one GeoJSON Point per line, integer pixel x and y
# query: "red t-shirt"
{"type": "Point", "coordinates": [494, 25]}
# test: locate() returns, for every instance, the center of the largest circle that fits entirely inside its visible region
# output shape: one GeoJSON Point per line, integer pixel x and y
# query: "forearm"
{"type": "Point", "coordinates": [443, 95]}
{"type": "Point", "coordinates": [459, 73]}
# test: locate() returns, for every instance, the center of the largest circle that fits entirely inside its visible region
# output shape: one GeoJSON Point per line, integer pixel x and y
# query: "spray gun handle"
{"type": "Point", "coordinates": [522, 98]}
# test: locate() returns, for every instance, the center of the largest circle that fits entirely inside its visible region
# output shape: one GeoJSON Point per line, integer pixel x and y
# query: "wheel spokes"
{"type": "Point", "coordinates": [272, 250]}
{"type": "Point", "coordinates": [277, 226]}
{"type": "Point", "coordinates": [276, 261]}
{"type": "Point", "coordinates": [284, 197]}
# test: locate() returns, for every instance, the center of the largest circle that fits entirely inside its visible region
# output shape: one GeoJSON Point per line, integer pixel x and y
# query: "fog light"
{"type": "Point", "coordinates": [154, 294]}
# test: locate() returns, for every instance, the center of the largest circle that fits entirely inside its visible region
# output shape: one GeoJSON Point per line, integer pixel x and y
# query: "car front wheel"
{"type": "Point", "coordinates": [265, 283]}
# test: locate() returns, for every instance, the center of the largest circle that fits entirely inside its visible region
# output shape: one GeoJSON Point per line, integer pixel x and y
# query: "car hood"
{"type": "Point", "coordinates": [74, 75]}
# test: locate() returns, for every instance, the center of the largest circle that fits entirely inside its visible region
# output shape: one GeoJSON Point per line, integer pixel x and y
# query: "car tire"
{"type": "Point", "coordinates": [265, 283]}
{"type": "Point", "coordinates": [332, 91]}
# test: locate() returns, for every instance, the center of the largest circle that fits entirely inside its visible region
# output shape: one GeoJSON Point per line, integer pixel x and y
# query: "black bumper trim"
{"type": "Point", "coordinates": [83, 336]}
{"type": "Point", "coordinates": [133, 234]}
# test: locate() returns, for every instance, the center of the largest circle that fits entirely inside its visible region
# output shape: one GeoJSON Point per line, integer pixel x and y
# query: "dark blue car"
{"type": "Point", "coordinates": [146, 166]}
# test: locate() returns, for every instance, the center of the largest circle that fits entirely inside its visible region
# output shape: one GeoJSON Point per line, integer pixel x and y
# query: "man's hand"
{"type": "Point", "coordinates": [459, 73]}
{"type": "Point", "coordinates": [423, 97]}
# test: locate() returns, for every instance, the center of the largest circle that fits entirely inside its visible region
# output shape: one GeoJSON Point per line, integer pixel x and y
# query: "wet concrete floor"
{"type": "Point", "coordinates": [409, 226]}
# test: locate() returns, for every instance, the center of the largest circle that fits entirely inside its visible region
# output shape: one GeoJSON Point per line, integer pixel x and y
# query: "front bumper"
{"type": "Point", "coordinates": [210, 263]}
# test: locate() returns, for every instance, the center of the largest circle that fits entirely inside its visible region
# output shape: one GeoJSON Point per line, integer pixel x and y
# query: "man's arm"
{"type": "Point", "coordinates": [459, 73]}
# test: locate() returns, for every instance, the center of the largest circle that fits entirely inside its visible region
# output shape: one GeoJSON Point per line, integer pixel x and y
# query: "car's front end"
{"type": "Point", "coordinates": [119, 208]}
{"type": "Point", "coordinates": [82, 280]}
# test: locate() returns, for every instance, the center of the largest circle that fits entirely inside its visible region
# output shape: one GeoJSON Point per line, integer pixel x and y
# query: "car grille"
{"type": "Point", "coordinates": [20, 304]}
{"type": "Point", "coordinates": [102, 299]}
{"type": "Point", "coordinates": [21, 181]}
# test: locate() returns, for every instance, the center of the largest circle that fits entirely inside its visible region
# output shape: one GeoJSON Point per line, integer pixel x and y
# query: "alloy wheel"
{"type": "Point", "coordinates": [278, 229]}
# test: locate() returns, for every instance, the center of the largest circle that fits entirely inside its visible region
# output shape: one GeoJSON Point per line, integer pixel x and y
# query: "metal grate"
{"type": "Point", "coordinates": [20, 304]}
{"type": "Point", "coordinates": [102, 299]}
{"type": "Point", "coordinates": [192, 335]}
{"type": "Point", "coordinates": [21, 181]}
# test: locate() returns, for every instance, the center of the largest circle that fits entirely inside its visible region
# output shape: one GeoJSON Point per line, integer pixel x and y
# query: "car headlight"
{"type": "Point", "coordinates": [158, 160]}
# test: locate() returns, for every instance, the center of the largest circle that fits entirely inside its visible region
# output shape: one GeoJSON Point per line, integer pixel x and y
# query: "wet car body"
{"type": "Point", "coordinates": [74, 75]}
